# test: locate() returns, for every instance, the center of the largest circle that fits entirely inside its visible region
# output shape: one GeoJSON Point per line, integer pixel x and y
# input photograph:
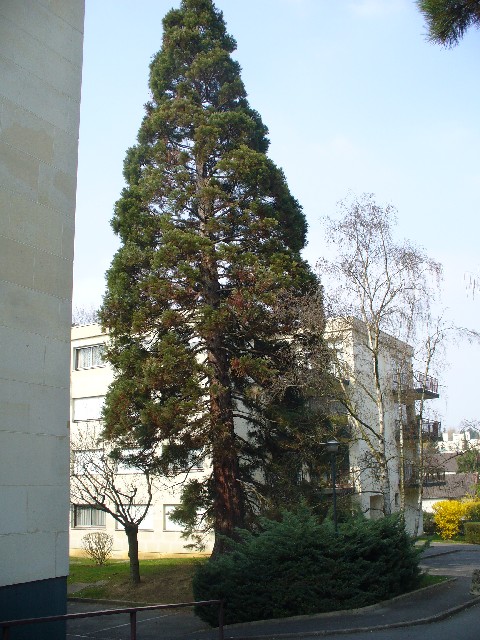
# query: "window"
{"type": "Point", "coordinates": [89, 357]}
{"type": "Point", "coordinates": [194, 461]}
{"type": "Point", "coordinates": [87, 408]}
{"type": "Point", "coordinates": [339, 367]}
{"type": "Point", "coordinates": [136, 511]}
{"type": "Point", "coordinates": [87, 461]}
{"type": "Point", "coordinates": [86, 516]}
{"type": "Point", "coordinates": [124, 467]}
{"type": "Point", "coordinates": [168, 523]}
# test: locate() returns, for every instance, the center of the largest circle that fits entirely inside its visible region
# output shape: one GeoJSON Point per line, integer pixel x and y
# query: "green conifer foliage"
{"type": "Point", "coordinates": [210, 239]}
{"type": "Point", "coordinates": [448, 20]}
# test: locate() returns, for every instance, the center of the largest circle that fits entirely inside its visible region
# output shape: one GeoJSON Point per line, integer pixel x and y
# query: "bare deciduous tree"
{"type": "Point", "coordinates": [95, 481]}
{"type": "Point", "coordinates": [380, 292]}
{"type": "Point", "coordinates": [84, 315]}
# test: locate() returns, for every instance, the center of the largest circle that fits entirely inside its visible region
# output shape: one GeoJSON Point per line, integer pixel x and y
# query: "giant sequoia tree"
{"type": "Point", "coordinates": [210, 247]}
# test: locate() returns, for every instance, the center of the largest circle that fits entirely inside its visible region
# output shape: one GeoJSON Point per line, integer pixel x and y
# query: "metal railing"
{"type": "Point", "coordinates": [416, 380]}
{"type": "Point", "coordinates": [431, 429]}
{"type": "Point", "coordinates": [426, 383]}
{"type": "Point", "coordinates": [132, 611]}
{"type": "Point", "coordinates": [431, 476]}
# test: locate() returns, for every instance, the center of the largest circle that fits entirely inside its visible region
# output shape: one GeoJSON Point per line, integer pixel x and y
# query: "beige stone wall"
{"type": "Point", "coordinates": [40, 66]}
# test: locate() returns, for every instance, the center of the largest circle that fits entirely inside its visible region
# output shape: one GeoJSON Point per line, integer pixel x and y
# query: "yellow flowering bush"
{"type": "Point", "coordinates": [448, 515]}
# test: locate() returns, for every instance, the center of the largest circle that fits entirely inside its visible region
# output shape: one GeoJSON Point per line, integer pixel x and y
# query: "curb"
{"type": "Point", "coordinates": [438, 553]}
{"type": "Point", "coordinates": [381, 627]}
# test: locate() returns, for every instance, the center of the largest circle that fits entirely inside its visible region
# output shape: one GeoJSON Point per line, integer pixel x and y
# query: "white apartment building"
{"type": "Point", "coordinates": [400, 389]}
{"type": "Point", "coordinates": [158, 534]}
{"type": "Point", "coordinates": [452, 442]}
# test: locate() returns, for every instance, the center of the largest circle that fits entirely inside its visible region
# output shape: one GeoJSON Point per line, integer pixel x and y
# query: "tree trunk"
{"type": "Point", "coordinates": [383, 453]}
{"type": "Point", "coordinates": [131, 531]}
{"type": "Point", "coordinates": [228, 503]}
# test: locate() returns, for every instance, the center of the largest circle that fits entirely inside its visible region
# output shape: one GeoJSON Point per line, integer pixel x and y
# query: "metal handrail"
{"type": "Point", "coordinates": [132, 611]}
{"type": "Point", "coordinates": [415, 380]}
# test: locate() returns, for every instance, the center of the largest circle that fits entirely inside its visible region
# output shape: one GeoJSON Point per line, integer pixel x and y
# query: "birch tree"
{"type": "Point", "coordinates": [380, 292]}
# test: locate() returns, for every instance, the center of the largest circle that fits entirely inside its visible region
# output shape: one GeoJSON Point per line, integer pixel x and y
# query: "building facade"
{"type": "Point", "coordinates": [40, 65]}
{"type": "Point", "coordinates": [402, 390]}
{"type": "Point", "coordinates": [379, 398]}
{"type": "Point", "coordinates": [158, 533]}
{"type": "Point", "coordinates": [454, 442]}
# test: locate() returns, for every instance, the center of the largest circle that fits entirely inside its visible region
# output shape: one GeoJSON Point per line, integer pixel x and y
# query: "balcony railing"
{"type": "Point", "coordinates": [431, 476]}
{"type": "Point", "coordinates": [431, 430]}
{"type": "Point", "coordinates": [417, 383]}
{"type": "Point", "coordinates": [425, 383]}
{"type": "Point", "coordinates": [343, 482]}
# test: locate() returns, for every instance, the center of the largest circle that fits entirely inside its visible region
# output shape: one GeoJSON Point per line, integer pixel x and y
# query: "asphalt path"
{"type": "Point", "coordinates": [457, 561]}
{"type": "Point", "coordinates": [451, 560]}
{"type": "Point", "coordinates": [461, 626]}
{"type": "Point", "coordinates": [151, 625]}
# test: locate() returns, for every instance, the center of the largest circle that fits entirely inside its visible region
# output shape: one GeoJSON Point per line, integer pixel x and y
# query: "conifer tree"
{"type": "Point", "coordinates": [210, 242]}
{"type": "Point", "coordinates": [448, 20]}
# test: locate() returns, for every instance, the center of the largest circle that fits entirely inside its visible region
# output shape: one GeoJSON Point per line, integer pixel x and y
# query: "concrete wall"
{"type": "Point", "coordinates": [40, 66]}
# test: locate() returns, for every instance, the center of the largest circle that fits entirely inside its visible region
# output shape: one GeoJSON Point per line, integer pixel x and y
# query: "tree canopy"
{"type": "Point", "coordinates": [448, 20]}
{"type": "Point", "coordinates": [210, 250]}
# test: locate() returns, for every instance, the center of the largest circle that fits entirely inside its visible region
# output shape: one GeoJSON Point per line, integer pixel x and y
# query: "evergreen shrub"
{"type": "Point", "coordinates": [472, 532]}
{"type": "Point", "coordinates": [429, 528]}
{"type": "Point", "coordinates": [299, 566]}
{"type": "Point", "coordinates": [473, 510]}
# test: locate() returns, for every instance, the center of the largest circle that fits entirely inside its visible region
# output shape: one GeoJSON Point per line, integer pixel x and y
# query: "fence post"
{"type": "Point", "coordinates": [5, 633]}
{"type": "Point", "coordinates": [220, 620]}
{"type": "Point", "coordinates": [133, 625]}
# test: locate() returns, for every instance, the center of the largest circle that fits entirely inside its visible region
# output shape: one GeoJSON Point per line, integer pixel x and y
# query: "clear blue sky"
{"type": "Point", "coordinates": [356, 100]}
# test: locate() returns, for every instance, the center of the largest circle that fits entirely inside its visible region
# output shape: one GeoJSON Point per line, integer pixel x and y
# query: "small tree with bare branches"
{"type": "Point", "coordinates": [380, 293]}
{"type": "Point", "coordinates": [95, 481]}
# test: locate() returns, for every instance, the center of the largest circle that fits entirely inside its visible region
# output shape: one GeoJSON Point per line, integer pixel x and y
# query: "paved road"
{"type": "Point", "coordinates": [462, 626]}
{"type": "Point", "coordinates": [151, 625]}
{"type": "Point", "coordinates": [453, 560]}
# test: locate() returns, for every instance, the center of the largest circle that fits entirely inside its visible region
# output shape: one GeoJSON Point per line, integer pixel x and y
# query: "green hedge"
{"type": "Point", "coordinates": [429, 527]}
{"type": "Point", "coordinates": [472, 532]}
{"type": "Point", "coordinates": [298, 567]}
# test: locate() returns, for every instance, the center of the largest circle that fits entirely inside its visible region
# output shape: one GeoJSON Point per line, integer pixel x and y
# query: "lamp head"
{"type": "Point", "coordinates": [332, 446]}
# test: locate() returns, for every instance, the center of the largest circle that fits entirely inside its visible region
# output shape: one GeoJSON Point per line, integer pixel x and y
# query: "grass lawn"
{"type": "Point", "coordinates": [163, 581]}
{"type": "Point", "coordinates": [428, 580]}
{"type": "Point", "coordinates": [436, 538]}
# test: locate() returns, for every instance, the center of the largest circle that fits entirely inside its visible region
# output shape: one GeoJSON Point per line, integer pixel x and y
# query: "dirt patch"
{"type": "Point", "coordinates": [171, 584]}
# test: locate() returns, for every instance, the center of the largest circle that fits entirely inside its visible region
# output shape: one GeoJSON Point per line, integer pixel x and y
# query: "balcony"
{"type": "Point", "coordinates": [344, 484]}
{"type": "Point", "coordinates": [415, 386]}
{"type": "Point", "coordinates": [431, 430]}
{"type": "Point", "coordinates": [432, 476]}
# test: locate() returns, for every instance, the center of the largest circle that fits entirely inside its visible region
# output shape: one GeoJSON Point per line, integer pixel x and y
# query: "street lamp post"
{"type": "Point", "coordinates": [332, 448]}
